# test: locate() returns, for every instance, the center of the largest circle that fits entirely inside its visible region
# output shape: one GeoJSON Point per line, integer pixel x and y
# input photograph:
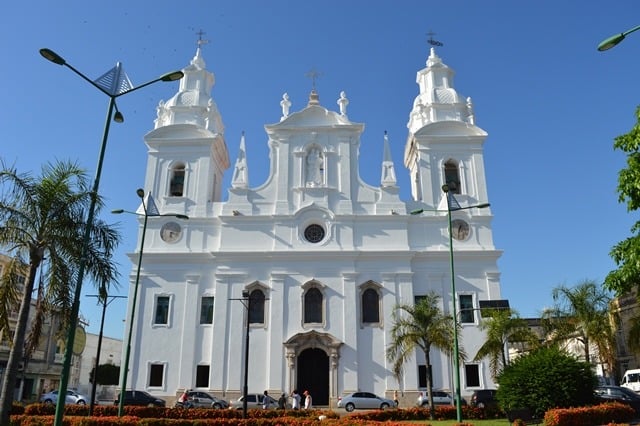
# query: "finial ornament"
{"type": "Point", "coordinates": [313, 74]}
{"type": "Point", "coordinates": [432, 41]}
{"type": "Point", "coordinates": [201, 41]}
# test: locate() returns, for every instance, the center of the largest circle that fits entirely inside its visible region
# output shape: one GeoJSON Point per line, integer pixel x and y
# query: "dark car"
{"type": "Point", "coordinates": [484, 398]}
{"type": "Point", "coordinates": [140, 398]}
{"type": "Point", "coordinates": [619, 394]}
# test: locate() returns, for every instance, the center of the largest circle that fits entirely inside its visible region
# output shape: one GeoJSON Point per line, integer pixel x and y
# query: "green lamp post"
{"type": "Point", "coordinates": [114, 84]}
{"type": "Point", "coordinates": [456, 349]}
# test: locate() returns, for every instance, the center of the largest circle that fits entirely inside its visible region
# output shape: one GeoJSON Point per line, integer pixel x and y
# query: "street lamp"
{"type": "Point", "coordinates": [105, 300]}
{"type": "Point", "coordinates": [456, 350]}
{"type": "Point", "coordinates": [245, 300]}
{"type": "Point", "coordinates": [114, 83]}
{"type": "Point", "coordinates": [146, 214]}
{"type": "Point", "coordinates": [615, 39]}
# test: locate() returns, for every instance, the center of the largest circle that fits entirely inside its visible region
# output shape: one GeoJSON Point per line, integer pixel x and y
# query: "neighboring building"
{"type": "Point", "coordinates": [324, 256]}
{"type": "Point", "coordinates": [43, 370]}
{"type": "Point", "coordinates": [624, 309]}
{"type": "Point", "coordinates": [110, 353]}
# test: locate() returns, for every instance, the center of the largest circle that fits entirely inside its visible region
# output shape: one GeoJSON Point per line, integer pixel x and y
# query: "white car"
{"type": "Point", "coordinates": [364, 401]}
{"type": "Point", "coordinates": [72, 398]}
{"type": "Point", "coordinates": [254, 400]}
{"type": "Point", "coordinates": [439, 398]}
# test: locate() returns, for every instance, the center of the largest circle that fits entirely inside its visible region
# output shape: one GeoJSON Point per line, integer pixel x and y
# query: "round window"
{"type": "Point", "coordinates": [314, 233]}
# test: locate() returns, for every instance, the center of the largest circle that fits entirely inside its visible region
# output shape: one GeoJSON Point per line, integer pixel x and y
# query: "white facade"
{"type": "Point", "coordinates": [110, 353]}
{"type": "Point", "coordinates": [330, 254]}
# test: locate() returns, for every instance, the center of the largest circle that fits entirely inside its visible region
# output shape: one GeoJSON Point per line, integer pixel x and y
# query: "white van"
{"type": "Point", "coordinates": [631, 380]}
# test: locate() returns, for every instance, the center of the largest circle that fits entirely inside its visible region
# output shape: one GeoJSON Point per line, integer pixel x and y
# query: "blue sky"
{"type": "Point", "coordinates": [551, 103]}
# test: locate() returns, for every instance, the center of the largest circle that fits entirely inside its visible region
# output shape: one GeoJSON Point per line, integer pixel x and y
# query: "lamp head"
{"type": "Point", "coordinates": [52, 56]}
{"type": "Point", "coordinates": [416, 212]}
{"type": "Point", "coordinates": [140, 192]}
{"type": "Point", "coordinates": [172, 76]}
{"type": "Point", "coordinates": [245, 294]}
{"type": "Point", "coordinates": [182, 216]}
{"type": "Point", "coordinates": [483, 205]}
{"type": "Point", "coordinates": [610, 42]}
{"type": "Point", "coordinates": [117, 211]}
{"type": "Point", "coordinates": [445, 188]}
{"type": "Point", "coordinates": [117, 117]}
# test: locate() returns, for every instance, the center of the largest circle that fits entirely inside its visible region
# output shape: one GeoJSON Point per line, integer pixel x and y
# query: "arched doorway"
{"type": "Point", "coordinates": [313, 375]}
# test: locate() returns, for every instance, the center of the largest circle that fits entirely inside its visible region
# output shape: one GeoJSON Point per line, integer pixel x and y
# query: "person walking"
{"type": "Point", "coordinates": [295, 400]}
{"type": "Point", "coordinates": [282, 402]}
{"type": "Point", "coordinates": [307, 400]}
{"type": "Point", "coordinates": [395, 398]}
{"type": "Point", "coordinates": [265, 400]}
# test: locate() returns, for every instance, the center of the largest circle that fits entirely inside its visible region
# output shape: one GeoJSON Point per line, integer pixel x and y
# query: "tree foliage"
{"type": "Point", "coordinates": [545, 378]}
{"type": "Point", "coordinates": [502, 326]}
{"type": "Point", "coordinates": [420, 327]}
{"type": "Point", "coordinates": [581, 313]}
{"type": "Point", "coordinates": [626, 254]}
{"type": "Point", "coordinates": [42, 223]}
{"type": "Point", "coordinates": [108, 374]}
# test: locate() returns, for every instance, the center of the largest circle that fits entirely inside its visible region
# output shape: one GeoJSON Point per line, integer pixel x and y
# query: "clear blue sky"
{"type": "Point", "coordinates": [550, 102]}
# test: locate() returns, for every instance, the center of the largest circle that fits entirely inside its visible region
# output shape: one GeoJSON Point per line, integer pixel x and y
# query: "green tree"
{"type": "Point", "coordinates": [626, 254]}
{"type": "Point", "coordinates": [108, 374]}
{"type": "Point", "coordinates": [545, 378]}
{"type": "Point", "coordinates": [420, 327]}
{"type": "Point", "coordinates": [502, 327]}
{"type": "Point", "coordinates": [582, 313]}
{"type": "Point", "coordinates": [44, 218]}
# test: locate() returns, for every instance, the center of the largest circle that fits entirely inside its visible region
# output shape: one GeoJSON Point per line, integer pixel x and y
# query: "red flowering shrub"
{"type": "Point", "coordinates": [591, 415]}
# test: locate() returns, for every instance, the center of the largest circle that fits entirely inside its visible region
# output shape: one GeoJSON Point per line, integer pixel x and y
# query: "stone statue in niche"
{"type": "Point", "coordinates": [285, 103]}
{"type": "Point", "coordinates": [315, 167]}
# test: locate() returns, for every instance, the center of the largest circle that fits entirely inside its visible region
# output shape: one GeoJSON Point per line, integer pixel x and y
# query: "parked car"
{"type": "Point", "coordinates": [439, 398]}
{"type": "Point", "coordinates": [140, 398]}
{"type": "Point", "coordinates": [254, 400]}
{"type": "Point", "coordinates": [619, 394]}
{"type": "Point", "coordinates": [197, 399]}
{"type": "Point", "coordinates": [483, 398]}
{"type": "Point", "coordinates": [72, 398]}
{"type": "Point", "coordinates": [364, 401]}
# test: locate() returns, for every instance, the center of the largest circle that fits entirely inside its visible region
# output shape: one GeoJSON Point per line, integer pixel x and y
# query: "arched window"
{"type": "Point", "coordinates": [313, 306]}
{"type": "Point", "coordinates": [256, 307]}
{"type": "Point", "coordinates": [370, 306]}
{"type": "Point", "coordinates": [176, 184]}
{"type": "Point", "coordinates": [452, 176]}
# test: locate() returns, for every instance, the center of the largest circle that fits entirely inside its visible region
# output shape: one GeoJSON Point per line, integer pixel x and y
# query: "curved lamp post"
{"type": "Point", "coordinates": [615, 39]}
{"type": "Point", "coordinates": [114, 84]}
{"type": "Point", "coordinates": [456, 349]}
{"type": "Point", "coordinates": [146, 215]}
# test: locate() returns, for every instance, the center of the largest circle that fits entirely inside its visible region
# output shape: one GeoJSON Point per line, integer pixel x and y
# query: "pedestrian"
{"type": "Point", "coordinates": [265, 401]}
{"type": "Point", "coordinates": [282, 402]}
{"type": "Point", "coordinates": [295, 400]}
{"type": "Point", "coordinates": [307, 400]}
{"type": "Point", "coordinates": [395, 398]}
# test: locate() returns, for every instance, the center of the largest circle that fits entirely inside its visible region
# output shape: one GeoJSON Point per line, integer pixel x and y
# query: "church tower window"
{"type": "Point", "coordinates": [314, 233]}
{"type": "Point", "coordinates": [206, 310]}
{"type": "Point", "coordinates": [162, 310]}
{"type": "Point", "coordinates": [313, 301]}
{"type": "Point", "coordinates": [176, 184]}
{"type": "Point", "coordinates": [452, 176]}
{"type": "Point", "coordinates": [370, 306]}
{"type": "Point", "coordinates": [256, 307]}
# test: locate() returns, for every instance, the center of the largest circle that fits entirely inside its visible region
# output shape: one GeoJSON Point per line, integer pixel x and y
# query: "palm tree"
{"type": "Point", "coordinates": [419, 327]}
{"type": "Point", "coordinates": [502, 326]}
{"type": "Point", "coordinates": [44, 218]}
{"type": "Point", "coordinates": [582, 313]}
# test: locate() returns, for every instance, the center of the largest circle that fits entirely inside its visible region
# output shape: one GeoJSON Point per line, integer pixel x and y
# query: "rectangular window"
{"type": "Point", "coordinates": [202, 376]}
{"type": "Point", "coordinates": [417, 299]}
{"type": "Point", "coordinates": [206, 310]}
{"type": "Point", "coordinates": [472, 375]}
{"type": "Point", "coordinates": [162, 310]}
{"type": "Point", "coordinates": [422, 376]}
{"type": "Point", "coordinates": [156, 375]}
{"type": "Point", "coordinates": [466, 308]}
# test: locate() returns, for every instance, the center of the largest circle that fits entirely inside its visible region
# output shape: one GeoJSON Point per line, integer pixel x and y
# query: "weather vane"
{"type": "Point", "coordinates": [313, 75]}
{"type": "Point", "coordinates": [201, 41]}
{"type": "Point", "coordinates": [431, 40]}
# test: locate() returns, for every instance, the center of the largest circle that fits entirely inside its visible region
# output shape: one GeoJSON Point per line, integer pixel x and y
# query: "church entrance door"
{"type": "Point", "coordinates": [313, 375]}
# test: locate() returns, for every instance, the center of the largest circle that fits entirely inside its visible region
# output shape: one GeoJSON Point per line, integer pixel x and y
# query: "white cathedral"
{"type": "Point", "coordinates": [322, 256]}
